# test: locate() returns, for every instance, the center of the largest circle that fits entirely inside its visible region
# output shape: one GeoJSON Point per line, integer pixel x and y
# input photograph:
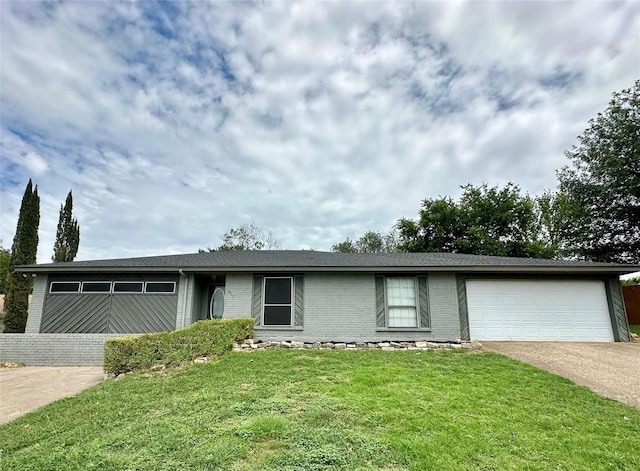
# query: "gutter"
{"type": "Point", "coordinates": [612, 270]}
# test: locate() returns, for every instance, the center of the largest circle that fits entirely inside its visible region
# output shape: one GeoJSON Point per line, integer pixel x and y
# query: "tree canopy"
{"type": "Point", "coordinates": [247, 237]}
{"type": "Point", "coordinates": [23, 252]}
{"type": "Point", "coordinates": [67, 240]}
{"type": "Point", "coordinates": [369, 242]}
{"type": "Point", "coordinates": [485, 221]}
{"type": "Point", "coordinates": [602, 184]}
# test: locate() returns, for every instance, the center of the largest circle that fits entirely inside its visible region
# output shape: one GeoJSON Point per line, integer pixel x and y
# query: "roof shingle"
{"type": "Point", "coordinates": [238, 260]}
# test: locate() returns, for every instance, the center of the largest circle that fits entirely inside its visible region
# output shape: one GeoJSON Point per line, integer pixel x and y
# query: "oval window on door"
{"type": "Point", "coordinates": [216, 305]}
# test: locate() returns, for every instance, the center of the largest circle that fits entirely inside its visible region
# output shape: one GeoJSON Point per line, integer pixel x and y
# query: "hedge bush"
{"type": "Point", "coordinates": [204, 338]}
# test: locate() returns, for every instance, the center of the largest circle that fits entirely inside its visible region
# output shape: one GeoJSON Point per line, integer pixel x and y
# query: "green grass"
{"type": "Point", "coordinates": [322, 410]}
{"type": "Point", "coordinates": [635, 329]}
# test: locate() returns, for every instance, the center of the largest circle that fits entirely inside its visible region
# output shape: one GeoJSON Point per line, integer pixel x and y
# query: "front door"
{"type": "Point", "coordinates": [216, 302]}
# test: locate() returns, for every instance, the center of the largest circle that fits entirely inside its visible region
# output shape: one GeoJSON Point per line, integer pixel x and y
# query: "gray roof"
{"type": "Point", "coordinates": [307, 260]}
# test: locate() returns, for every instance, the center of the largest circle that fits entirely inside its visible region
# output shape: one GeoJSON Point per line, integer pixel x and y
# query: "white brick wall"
{"type": "Point", "coordinates": [237, 295]}
{"type": "Point", "coordinates": [443, 305]}
{"type": "Point", "coordinates": [37, 305]}
{"type": "Point", "coordinates": [54, 349]}
{"type": "Point", "coordinates": [185, 300]}
{"type": "Point", "coordinates": [341, 307]}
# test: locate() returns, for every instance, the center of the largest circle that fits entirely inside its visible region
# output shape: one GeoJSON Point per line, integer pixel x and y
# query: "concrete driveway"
{"type": "Point", "coordinates": [610, 369]}
{"type": "Point", "coordinates": [28, 388]}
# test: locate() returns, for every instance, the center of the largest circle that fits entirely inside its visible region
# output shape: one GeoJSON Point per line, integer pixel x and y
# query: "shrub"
{"type": "Point", "coordinates": [204, 338]}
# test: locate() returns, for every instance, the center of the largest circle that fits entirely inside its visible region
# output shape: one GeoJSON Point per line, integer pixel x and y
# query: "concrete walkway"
{"type": "Point", "coordinates": [611, 369]}
{"type": "Point", "coordinates": [31, 387]}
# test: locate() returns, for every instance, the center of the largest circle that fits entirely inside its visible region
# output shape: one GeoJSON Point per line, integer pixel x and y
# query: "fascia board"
{"type": "Point", "coordinates": [612, 270]}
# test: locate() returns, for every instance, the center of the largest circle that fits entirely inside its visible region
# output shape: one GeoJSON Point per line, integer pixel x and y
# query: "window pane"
{"type": "Point", "coordinates": [277, 315]}
{"type": "Point", "coordinates": [96, 287]}
{"type": "Point", "coordinates": [277, 291]}
{"type": "Point", "coordinates": [127, 287]}
{"type": "Point", "coordinates": [160, 287]}
{"type": "Point", "coordinates": [65, 287]}
{"type": "Point", "coordinates": [402, 317]}
{"type": "Point", "coordinates": [401, 292]}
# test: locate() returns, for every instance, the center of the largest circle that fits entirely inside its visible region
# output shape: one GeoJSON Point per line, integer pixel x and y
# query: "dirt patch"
{"type": "Point", "coordinates": [610, 369]}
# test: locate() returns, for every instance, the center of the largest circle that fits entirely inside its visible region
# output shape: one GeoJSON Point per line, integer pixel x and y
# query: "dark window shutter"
{"type": "Point", "coordinates": [256, 304]}
{"type": "Point", "coordinates": [298, 284]}
{"type": "Point", "coordinates": [423, 300]}
{"type": "Point", "coordinates": [380, 312]}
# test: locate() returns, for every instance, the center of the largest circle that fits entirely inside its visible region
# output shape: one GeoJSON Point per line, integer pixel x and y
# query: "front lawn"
{"type": "Point", "coordinates": [635, 329]}
{"type": "Point", "coordinates": [318, 410]}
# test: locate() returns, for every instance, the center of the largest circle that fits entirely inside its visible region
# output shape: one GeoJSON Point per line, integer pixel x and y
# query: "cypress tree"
{"type": "Point", "coordinates": [65, 247]}
{"type": "Point", "coordinates": [23, 252]}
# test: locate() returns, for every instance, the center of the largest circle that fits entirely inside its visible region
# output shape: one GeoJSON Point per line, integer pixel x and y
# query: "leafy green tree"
{"type": "Point", "coordinates": [346, 246]}
{"type": "Point", "coordinates": [602, 185]}
{"type": "Point", "coordinates": [247, 237]}
{"type": "Point", "coordinates": [65, 247]}
{"type": "Point", "coordinates": [439, 228]}
{"type": "Point", "coordinates": [485, 221]}
{"type": "Point", "coordinates": [369, 242]}
{"type": "Point", "coordinates": [5, 260]}
{"type": "Point", "coordinates": [23, 252]}
{"type": "Point", "coordinates": [557, 222]}
{"type": "Point", "coordinates": [631, 281]}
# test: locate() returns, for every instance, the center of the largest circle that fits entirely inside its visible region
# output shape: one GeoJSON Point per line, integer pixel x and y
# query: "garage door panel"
{"type": "Point", "coordinates": [512, 331]}
{"type": "Point", "coordinates": [546, 317]}
{"type": "Point", "coordinates": [538, 310]}
{"type": "Point", "coordinates": [511, 316]}
{"type": "Point", "coordinates": [492, 316]}
{"type": "Point", "coordinates": [546, 332]}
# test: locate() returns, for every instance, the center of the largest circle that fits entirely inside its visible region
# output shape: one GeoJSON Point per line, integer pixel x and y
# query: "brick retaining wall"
{"type": "Point", "coordinates": [54, 349]}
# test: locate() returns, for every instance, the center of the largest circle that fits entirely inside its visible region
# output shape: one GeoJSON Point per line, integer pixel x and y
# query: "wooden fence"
{"type": "Point", "coordinates": [631, 296]}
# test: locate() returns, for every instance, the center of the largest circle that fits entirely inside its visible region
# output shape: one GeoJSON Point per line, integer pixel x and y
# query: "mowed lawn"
{"type": "Point", "coordinates": [323, 410]}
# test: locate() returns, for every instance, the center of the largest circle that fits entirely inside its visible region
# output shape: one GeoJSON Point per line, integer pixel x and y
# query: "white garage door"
{"type": "Point", "coordinates": [538, 310]}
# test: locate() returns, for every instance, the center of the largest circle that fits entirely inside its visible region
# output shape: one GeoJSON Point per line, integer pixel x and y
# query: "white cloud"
{"type": "Point", "coordinates": [34, 163]}
{"type": "Point", "coordinates": [317, 121]}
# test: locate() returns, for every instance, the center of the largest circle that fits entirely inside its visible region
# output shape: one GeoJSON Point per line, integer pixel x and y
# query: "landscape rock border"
{"type": "Point", "coordinates": [251, 345]}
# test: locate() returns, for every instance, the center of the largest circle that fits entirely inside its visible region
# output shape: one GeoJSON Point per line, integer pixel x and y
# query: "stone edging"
{"type": "Point", "coordinates": [250, 345]}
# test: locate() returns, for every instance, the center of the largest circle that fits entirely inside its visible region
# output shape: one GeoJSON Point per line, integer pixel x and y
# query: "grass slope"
{"type": "Point", "coordinates": [635, 329]}
{"type": "Point", "coordinates": [319, 410]}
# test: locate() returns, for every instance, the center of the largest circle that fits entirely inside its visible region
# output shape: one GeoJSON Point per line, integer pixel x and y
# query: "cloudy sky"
{"type": "Point", "coordinates": [174, 122]}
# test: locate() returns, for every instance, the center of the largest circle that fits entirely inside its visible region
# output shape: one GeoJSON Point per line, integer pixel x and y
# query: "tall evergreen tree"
{"type": "Point", "coordinates": [65, 247]}
{"type": "Point", "coordinates": [5, 259]}
{"type": "Point", "coordinates": [23, 252]}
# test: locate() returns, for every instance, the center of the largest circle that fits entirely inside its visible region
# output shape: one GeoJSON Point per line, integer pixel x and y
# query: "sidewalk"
{"type": "Point", "coordinates": [28, 388]}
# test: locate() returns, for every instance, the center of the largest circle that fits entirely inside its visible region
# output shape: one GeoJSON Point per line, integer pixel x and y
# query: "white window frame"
{"type": "Point", "coordinates": [147, 283]}
{"type": "Point", "coordinates": [291, 304]}
{"type": "Point", "coordinates": [113, 287]}
{"type": "Point", "coordinates": [387, 306]}
{"type": "Point", "coordinates": [64, 283]}
{"type": "Point", "coordinates": [96, 292]}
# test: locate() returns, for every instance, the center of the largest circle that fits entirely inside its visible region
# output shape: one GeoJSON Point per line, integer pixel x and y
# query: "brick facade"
{"type": "Point", "coordinates": [54, 349]}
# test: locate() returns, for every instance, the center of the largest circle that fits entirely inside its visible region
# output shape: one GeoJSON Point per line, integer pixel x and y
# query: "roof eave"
{"type": "Point", "coordinates": [611, 270]}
